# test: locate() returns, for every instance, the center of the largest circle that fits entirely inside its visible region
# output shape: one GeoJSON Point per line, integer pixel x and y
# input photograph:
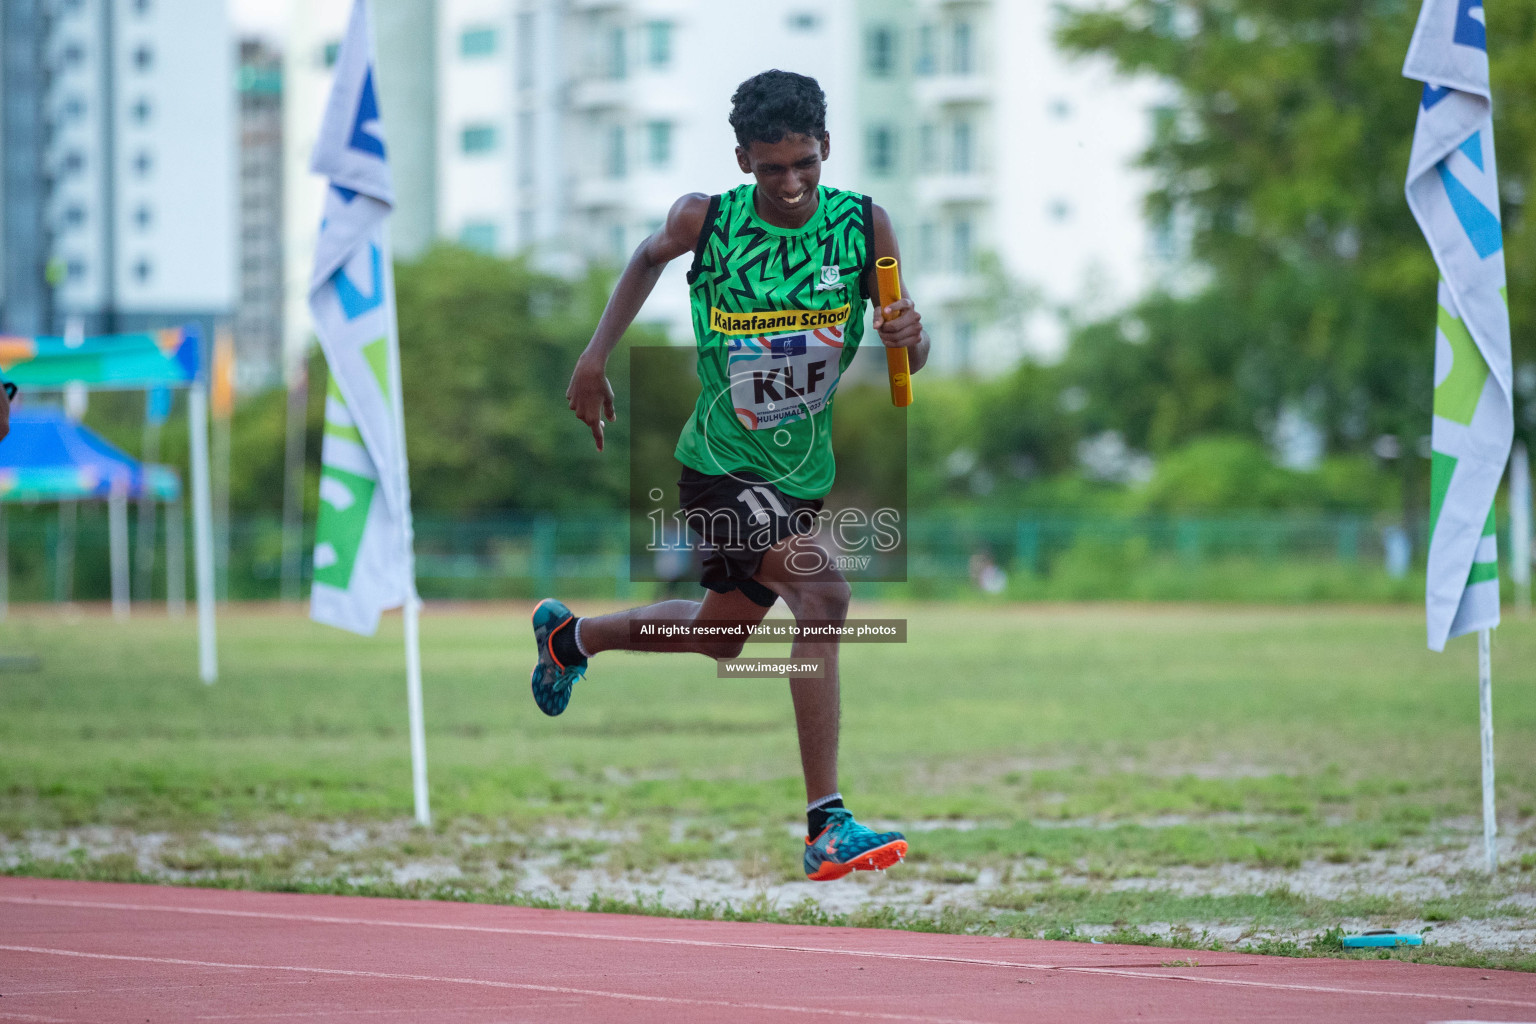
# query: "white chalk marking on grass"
{"type": "Point", "coordinates": [562, 990]}
{"type": "Point", "coordinates": [716, 944]}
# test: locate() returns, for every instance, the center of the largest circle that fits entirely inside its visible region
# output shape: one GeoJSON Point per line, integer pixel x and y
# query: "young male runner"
{"type": "Point", "coordinates": [781, 271]}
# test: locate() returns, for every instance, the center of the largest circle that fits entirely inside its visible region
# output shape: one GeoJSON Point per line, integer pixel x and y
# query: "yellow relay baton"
{"type": "Point", "coordinates": [888, 275]}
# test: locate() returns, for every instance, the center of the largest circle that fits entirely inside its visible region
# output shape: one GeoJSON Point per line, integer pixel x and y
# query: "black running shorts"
{"type": "Point", "coordinates": [739, 517]}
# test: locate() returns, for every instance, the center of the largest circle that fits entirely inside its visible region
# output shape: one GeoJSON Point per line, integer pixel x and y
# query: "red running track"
{"type": "Point", "coordinates": [84, 951]}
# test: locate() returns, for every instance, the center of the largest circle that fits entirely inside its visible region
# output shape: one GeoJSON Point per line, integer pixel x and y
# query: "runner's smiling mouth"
{"type": "Point", "coordinates": [794, 199]}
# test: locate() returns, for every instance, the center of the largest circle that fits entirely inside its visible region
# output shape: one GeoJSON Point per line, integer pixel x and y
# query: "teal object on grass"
{"type": "Point", "coordinates": [1381, 938]}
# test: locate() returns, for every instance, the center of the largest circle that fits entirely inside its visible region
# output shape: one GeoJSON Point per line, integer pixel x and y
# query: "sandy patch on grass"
{"type": "Point", "coordinates": [571, 865]}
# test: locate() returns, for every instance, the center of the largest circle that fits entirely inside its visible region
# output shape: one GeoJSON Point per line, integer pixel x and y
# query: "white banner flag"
{"type": "Point", "coordinates": [1454, 194]}
{"type": "Point", "coordinates": [362, 538]}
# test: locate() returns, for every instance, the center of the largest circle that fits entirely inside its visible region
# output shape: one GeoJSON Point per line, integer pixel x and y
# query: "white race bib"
{"type": "Point", "coordinates": [781, 378]}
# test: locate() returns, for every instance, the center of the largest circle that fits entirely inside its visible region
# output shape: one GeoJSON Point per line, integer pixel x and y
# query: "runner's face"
{"type": "Point", "coordinates": [787, 174]}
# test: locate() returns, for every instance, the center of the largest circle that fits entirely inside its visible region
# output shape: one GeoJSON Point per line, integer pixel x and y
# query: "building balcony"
{"type": "Point", "coordinates": [594, 193]}
{"type": "Point", "coordinates": [953, 90]}
{"type": "Point", "coordinates": [940, 6]}
{"type": "Point", "coordinates": [954, 189]}
{"type": "Point", "coordinates": [592, 6]}
{"type": "Point", "coordinates": [600, 93]}
{"type": "Point", "coordinates": [946, 288]}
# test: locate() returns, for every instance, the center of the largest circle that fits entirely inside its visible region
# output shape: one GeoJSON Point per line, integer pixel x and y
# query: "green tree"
{"type": "Point", "coordinates": [1282, 155]}
{"type": "Point", "coordinates": [486, 348]}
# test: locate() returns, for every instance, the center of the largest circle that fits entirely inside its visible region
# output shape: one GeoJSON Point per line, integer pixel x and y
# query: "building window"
{"type": "Point", "coordinates": [616, 243]}
{"type": "Point", "coordinates": [880, 51]}
{"type": "Point", "coordinates": [965, 47]}
{"type": "Point", "coordinates": [143, 270]}
{"type": "Point", "coordinates": [927, 245]}
{"type": "Point", "coordinates": [963, 152]}
{"type": "Point", "coordinates": [74, 215]}
{"type": "Point", "coordinates": [142, 6]}
{"type": "Point", "coordinates": [329, 52]}
{"type": "Point", "coordinates": [615, 66]}
{"type": "Point", "coordinates": [73, 162]}
{"type": "Point", "coordinates": [658, 144]}
{"type": "Point", "coordinates": [73, 108]}
{"type": "Point", "coordinates": [72, 54]}
{"type": "Point", "coordinates": [477, 42]}
{"type": "Point", "coordinates": [143, 57]}
{"type": "Point", "coordinates": [928, 146]}
{"type": "Point", "coordinates": [1061, 108]}
{"type": "Point", "coordinates": [1060, 210]}
{"type": "Point", "coordinates": [479, 235]}
{"type": "Point", "coordinates": [613, 154]}
{"type": "Point", "coordinates": [658, 44]}
{"type": "Point", "coordinates": [478, 138]}
{"type": "Point", "coordinates": [927, 59]}
{"type": "Point", "coordinates": [75, 269]}
{"type": "Point", "coordinates": [527, 47]}
{"type": "Point", "coordinates": [963, 253]}
{"type": "Point", "coordinates": [804, 21]}
{"type": "Point", "coordinates": [143, 217]}
{"type": "Point", "coordinates": [525, 227]}
{"type": "Point", "coordinates": [141, 110]}
{"type": "Point", "coordinates": [143, 163]}
{"type": "Point", "coordinates": [525, 147]}
{"type": "Point", "coordinates": [882, 150]}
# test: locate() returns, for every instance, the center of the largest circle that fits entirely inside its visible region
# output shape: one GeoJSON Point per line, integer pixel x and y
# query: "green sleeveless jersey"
{"type": "Point", "coordinates": [778, 314]}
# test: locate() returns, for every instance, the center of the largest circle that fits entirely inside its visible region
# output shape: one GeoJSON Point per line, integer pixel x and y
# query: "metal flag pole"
{"type": "Point", "coordinates": [1485, 710]}
{"type": "Point", "coordinates": [1520, 524]}
{"type": "Point", "coordinates": [297, 373]}
{"type": "Point", "coordinates": [411, 607]}
{"type": "Point", "coordinates": [202, 528]}
{"type": "Point", "coordinates": [117, 533]}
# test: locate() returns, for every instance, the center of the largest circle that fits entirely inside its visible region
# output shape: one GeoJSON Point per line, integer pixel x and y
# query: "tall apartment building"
{"type": "Point", "coordinates": [26, 300]}
{"type": "Point", "coordinates": [567, 128]}
{"type": "Point", "coordinates": [126, 154]}
{"type": "Point", "coordinates": [259, 313]}
{"type": "Point", "coordinates": [993, 150]}
{"type": "Point", "coordinates": [570, 127]}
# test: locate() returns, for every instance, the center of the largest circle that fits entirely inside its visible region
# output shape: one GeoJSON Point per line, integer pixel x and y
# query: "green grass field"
{"type": "Point", "coordinates": [1254, 778]}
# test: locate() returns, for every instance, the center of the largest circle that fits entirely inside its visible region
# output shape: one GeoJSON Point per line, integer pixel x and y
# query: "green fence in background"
{"type": "Point", "coordinates": [1259, 557]}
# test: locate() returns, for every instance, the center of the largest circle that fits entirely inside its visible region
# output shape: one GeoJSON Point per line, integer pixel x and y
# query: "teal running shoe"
{"type": "Point", "coordinates": [552, 681]}
{"type": "Point", "coordinates": [845, 846]}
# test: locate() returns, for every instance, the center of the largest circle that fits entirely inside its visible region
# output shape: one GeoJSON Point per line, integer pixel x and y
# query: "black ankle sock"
{"type": "Point", "coordinates": [564, 644]}
{"type": "Point", "coordinates": [816, 820]}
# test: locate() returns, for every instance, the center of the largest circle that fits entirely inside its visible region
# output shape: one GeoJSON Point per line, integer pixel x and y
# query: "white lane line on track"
{"type": "Point", "coordinates": [562, 990]}
{"type": "Point", "coordinates": [716, 944]}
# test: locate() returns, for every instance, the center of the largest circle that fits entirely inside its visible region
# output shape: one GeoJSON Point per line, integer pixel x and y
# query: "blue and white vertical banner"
{"type": "Point", "coordinates": [362, 562]}
{"type": "Point", "coordinates": [1453, 190]}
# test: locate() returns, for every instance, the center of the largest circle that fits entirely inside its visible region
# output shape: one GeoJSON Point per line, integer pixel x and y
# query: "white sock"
{"type": "Point", "coordinates": [816, 805]}
{"type": "Point", "coordinates": [577, 637]}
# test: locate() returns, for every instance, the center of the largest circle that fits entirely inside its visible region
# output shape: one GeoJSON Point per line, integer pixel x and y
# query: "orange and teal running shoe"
{"type": "Point", "coordinates": [845, 846]}
{"type": "Point", "coordinates": [552, 681]}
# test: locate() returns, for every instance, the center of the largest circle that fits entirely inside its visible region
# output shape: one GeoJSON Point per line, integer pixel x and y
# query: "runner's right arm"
{"type": "Point", "coordinates": [590, 395]}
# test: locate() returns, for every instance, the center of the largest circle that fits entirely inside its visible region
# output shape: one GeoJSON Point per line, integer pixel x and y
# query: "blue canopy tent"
{"type": "Point", "coordinates": [47, 457]}
{"type": "Point", "coordinates": [170, 358]}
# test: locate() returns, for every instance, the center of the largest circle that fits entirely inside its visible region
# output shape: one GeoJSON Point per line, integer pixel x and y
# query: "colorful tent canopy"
{"type": "Point", "coordinates": [168, 357]}
{"type": "Point", "coordinates": [46, 457]}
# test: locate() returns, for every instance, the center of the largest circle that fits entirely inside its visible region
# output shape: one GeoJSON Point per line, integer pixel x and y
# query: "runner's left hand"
{"type": "Point", "coordinates": [900, 324]}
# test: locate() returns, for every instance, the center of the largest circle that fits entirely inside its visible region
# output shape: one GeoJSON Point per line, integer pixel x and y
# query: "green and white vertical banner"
{"type": "Point", "coordinates": [362, 554]}
{"type": "Point", "coordinates": [1453, 192]}
{"type": "Point", "coordinates": [363, 540]}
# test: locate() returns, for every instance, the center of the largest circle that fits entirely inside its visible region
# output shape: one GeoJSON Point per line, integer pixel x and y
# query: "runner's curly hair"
{"type": "Point", "coordinates": [774, 104]}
